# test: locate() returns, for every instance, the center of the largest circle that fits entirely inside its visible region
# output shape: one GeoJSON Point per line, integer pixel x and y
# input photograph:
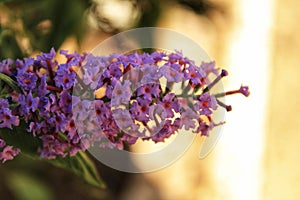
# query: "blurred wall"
{"type": "Point", "coordinates": [282, 174]}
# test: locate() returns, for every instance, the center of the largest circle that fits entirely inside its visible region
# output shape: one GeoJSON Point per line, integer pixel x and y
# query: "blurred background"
{"type": "Point", "coordinates": [256, 40]}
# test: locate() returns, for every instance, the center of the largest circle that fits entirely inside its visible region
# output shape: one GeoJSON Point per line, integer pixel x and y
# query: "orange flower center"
{"type": "Point", "coordinates": [205, 104]}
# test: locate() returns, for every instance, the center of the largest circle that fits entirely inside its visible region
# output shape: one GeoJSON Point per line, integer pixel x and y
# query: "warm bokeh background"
{"type": "Point", "coordinates": [256, 40]}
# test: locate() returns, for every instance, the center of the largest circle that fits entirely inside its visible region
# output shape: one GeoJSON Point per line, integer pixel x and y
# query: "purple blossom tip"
{"type": "Point", "coordinates": [244, 90]}
{"type": "Point", "coordinates": [228, 108]}
{"type": "Point", "coordinates": [224, 73]}
{"type": "Point", "coordinates": [8, 153]}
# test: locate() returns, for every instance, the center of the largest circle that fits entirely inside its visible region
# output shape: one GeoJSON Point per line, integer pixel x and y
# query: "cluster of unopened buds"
{"type": "Point", "coordinates": [107, 101]}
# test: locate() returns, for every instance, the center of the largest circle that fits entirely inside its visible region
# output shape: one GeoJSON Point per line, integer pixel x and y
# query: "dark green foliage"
{"type": "Point", "coordinates": [46, 23]}
{"type": "Point", "coordinates": [80, 164]}
{"type": "Point", "coordinates": [9, 47]}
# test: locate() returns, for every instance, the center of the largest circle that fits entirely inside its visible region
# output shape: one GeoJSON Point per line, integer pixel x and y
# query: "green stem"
{"type": "Point", "coordinates": [219, 95]}
{"type": "Point", "coordinates": [10, 82]}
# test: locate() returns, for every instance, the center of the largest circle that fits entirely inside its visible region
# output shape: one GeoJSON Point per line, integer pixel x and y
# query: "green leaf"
{"type": "Point", "coordinates": [10, 82]}
{"type": "Point", "coordinates": [20, 138]}
{"type": "Point", "coordinates": [80, 164]}
{"type": "Point", "coordinates": [5, 90]}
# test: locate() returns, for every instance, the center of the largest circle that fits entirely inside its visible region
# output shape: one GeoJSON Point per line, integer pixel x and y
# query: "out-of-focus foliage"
{"type": "Point", "coordinates": [28, 187]}
{"type": "Point", "coordinates": [27, 26]}
{"type": "Point", "coordinates": [49, 23]}
{"type": "Point", "coordinates": [199, 7]}
{"type": "Point", "coordinates": [150, 12]}
{"type": "Point", "coordinates": [9, 47]}
{"type": "Point", "coordinates": [80, 164]}
{"type": "Point", "coordinates": [41, 23]}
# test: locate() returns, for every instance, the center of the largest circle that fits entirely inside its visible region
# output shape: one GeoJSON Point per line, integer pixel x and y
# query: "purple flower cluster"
{"type": "Point", "coordinates": [7, 152]}
{"type": "Point", "coordinates": [7, 120]}
{"type": "Point", "coordinates": [138, 99]}
{"type": "Point", "coordinates": [45, 102]}
{"type": "Point", "coordinates": [138, 105]}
